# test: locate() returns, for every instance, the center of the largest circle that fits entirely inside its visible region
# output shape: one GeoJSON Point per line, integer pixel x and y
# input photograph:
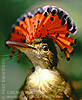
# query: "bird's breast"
{"type": "Point", "coordinates": [45, 81]}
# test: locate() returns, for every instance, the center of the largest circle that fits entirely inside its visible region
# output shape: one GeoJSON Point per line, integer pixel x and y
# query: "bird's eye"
{"type": "Point", "coordinates": [45, 47]}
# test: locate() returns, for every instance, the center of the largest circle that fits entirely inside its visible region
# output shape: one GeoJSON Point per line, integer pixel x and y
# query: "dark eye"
{"type": "Point", "coordinates": [45, 47]}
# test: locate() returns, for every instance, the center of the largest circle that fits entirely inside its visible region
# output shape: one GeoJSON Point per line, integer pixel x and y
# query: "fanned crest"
{"type": "Point", "coordinates": [45, 22]}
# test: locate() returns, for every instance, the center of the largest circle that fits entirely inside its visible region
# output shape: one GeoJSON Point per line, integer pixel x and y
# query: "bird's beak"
{"type": "Point", "coordinates": [19, 45]}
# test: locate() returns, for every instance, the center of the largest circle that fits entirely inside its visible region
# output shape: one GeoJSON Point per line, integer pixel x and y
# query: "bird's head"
{"type": "Point", "coordinates": [35, 32]}
{"type": "Point", "coordinates": [41, 52]}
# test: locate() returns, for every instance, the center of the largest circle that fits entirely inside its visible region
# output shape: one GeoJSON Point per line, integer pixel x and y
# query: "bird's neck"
{"type": "Point", "coordinates": [43, 65]}
{"type": "Point", "coordinates": [49, 62]}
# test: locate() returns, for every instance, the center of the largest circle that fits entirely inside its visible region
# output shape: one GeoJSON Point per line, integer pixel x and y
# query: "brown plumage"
{"type": "Point", "coordinates": [45, 82]}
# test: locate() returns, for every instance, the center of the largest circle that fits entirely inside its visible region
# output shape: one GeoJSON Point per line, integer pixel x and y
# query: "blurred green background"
{"type": "Point", "coordinates": [15, 72]}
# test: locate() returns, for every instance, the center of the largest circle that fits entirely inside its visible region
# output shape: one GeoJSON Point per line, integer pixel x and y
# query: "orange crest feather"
{"type": "Point", "coordinates": [46, 22]}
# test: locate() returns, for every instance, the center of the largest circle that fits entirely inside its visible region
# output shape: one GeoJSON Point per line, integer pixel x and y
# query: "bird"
{"type": "Point", "coordinates": [37, 34]}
